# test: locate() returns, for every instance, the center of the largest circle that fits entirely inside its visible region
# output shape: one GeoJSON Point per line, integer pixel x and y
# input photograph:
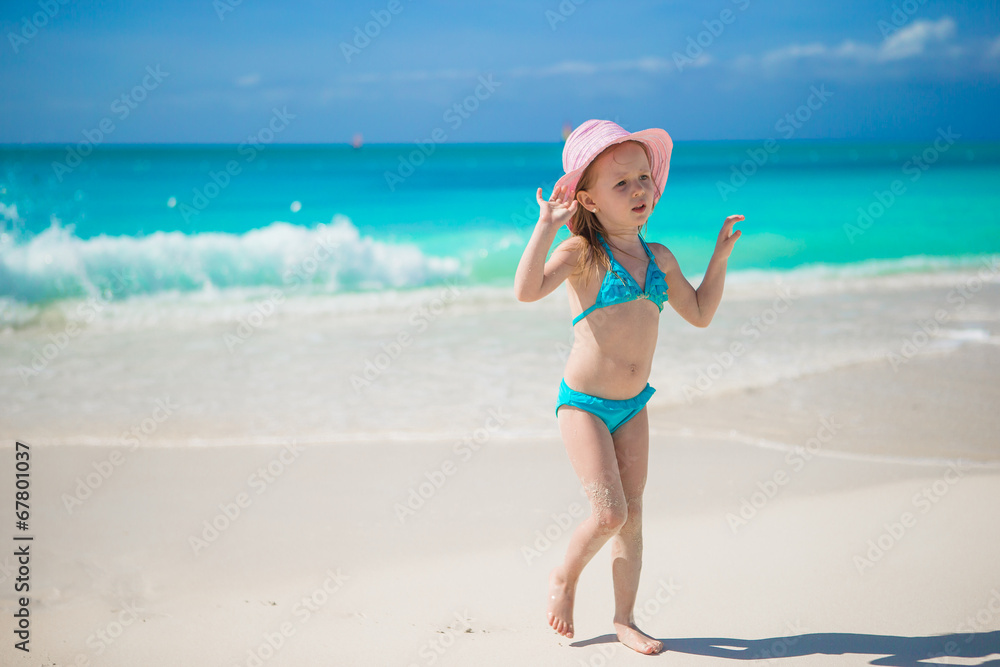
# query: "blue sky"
{"type": "Point", "coordinates": [893, 70]}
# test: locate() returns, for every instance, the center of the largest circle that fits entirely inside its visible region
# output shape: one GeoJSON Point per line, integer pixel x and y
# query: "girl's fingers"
{"type": "Point", "coordinates": [556, 196]}
{"type": "Point", "coordinates": [727, 226]}
{"type": "Point", "coordinates": [560, 195]}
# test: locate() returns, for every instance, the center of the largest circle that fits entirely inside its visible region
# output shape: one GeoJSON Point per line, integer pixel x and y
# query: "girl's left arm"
{"type": "Point", "coordinates": [698, 306]}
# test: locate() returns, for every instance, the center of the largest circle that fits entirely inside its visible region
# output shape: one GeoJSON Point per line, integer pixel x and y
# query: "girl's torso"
{"type": "Point", "coordinates": [613, 345]}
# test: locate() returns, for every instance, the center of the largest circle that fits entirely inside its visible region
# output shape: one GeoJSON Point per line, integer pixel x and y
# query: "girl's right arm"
{"type": "Point", "coordinates": [535, 278]}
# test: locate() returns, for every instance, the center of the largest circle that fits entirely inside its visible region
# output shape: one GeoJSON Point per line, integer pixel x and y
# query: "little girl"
{"type": "Point", "coordinates": [612, 182]}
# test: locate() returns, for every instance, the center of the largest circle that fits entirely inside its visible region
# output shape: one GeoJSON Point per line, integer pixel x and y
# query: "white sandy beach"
{"type": "Point", "coordinates": [813, 504]}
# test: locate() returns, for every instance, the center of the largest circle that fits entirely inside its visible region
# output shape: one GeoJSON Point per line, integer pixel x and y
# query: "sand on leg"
{"type": "Point", "coordinates": [632, 451]}
{"type": "Point", "coordinates": [592, 454]}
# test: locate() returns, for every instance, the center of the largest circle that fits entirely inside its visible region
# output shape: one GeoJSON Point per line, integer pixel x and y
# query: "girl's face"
{"type": "Point", "coordinates": [623, 188]}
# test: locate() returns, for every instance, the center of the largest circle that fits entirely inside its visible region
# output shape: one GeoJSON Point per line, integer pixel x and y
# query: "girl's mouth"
{"type": "Point", "coordinates": [640, 208]}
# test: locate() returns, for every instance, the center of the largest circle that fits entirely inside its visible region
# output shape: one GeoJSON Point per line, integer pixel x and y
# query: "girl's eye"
{"type": "Point", "coordinates": [621, 182]}
{"type": "Point", "coordinates": [646, 176]}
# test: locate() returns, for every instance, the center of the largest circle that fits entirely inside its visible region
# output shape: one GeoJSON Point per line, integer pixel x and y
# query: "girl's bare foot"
{"type": "Point", "coordinates": [636, 639]}
{"type": "Point", "coordinates": [561, 602]}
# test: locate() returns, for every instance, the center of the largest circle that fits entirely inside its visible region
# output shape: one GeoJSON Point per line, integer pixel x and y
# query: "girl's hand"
{"type": "Point", "coordinates": [727, 238]}
{"type": "Point", "coordinates": [558, 210]}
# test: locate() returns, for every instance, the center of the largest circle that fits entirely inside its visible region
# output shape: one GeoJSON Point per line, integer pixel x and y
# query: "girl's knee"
{"type": "Point", "coordinates": [611, 519]}
{"type": "Point", "coordinates": [632, 523]}
{"type": "Point", "coordinates": [608, 505]}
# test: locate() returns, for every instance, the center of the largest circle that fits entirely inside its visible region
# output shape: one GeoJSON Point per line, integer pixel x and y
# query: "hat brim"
{"type": "Point", "coordinates": [660, 146]}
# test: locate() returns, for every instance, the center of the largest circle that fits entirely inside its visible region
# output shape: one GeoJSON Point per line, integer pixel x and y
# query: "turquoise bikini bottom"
{"type": "Point", "coordinates": [614, 414]}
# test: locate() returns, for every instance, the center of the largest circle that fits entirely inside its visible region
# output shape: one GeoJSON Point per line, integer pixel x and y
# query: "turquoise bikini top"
{"type": "Point", "coordinates": [620, 287]}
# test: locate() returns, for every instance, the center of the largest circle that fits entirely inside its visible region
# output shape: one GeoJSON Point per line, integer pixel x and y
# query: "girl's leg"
{"type": "Point", "coordinates": [592, 455]}
{"type": "Point", "coordinates": [632, 451]}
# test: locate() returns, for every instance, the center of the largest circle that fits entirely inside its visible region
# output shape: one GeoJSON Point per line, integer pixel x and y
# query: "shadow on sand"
{"type": "Point", "coordinates": [884, 649]}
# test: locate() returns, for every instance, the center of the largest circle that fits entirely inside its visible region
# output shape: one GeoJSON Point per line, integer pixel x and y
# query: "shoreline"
{"type": "Point", "coordinates": [313, 375]}
{"type": "Point", "coordinates": [212, 304]}
{"type": "Point", "coordinates": [766, 418]}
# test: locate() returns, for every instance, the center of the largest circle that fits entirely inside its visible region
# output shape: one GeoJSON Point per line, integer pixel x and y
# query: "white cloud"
{"type": "Point", "coordinates": [653, 64]}
{"type": "Point", "coordinates": [412, 75]}
{"type": "Point", "coordinates": [565, 67]}
{"type": "Point", "coordinates": [248, 80]}
{"type": "Point", "coordinates": [908, 42]}
{"type": "Point", "coordinates": [993, 49]}
{"type": "Point", "coordinates": [648, 64]}
{"type": "Point", "coordinates": [793, 52]}
{"type": "Point", "coordinates": [851, 50]}
{"type": "Point", "coordinates": [701, 61]}
{"type": "Point", "coordinates": [912, 40]}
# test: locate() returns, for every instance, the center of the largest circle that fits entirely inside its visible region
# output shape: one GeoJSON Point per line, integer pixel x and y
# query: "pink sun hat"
{"type": "Point", "coordinates": [588, 140]}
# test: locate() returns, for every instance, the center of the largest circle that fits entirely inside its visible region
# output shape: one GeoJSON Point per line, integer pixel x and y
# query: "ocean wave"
{"type": "Point", "coordinates": [333, 258]}
{"type": "Point", "coordinates": [177, 277]}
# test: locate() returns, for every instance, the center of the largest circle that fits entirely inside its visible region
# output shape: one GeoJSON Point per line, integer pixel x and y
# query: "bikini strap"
{"type": "Point", "coordinates": [598, 304]}
{"type": "Point", "coordinates": [606, 246]}
{"type": "Point", "coordinates": [649, 252]}
{"type": "Point", "coordinates": [585, 313]}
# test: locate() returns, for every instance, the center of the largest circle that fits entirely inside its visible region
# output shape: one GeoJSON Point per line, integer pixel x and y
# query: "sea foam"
{"type": "Point", "coordinates": [56, 264]}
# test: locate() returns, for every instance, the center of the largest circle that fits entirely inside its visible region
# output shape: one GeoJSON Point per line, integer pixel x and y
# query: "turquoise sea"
{"type": "Point", "coordinates": [79, 221]}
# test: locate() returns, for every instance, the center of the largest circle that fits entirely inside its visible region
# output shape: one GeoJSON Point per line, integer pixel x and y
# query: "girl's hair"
{"type": "Point", "coordinates": [586, 224]}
